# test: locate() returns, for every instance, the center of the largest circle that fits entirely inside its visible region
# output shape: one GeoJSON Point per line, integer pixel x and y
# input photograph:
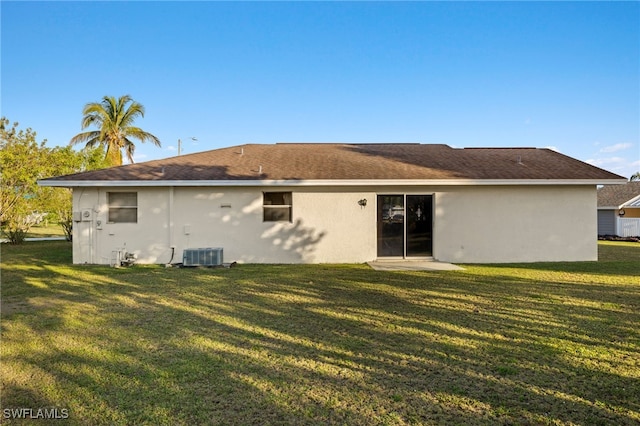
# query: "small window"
{"type": "Point", "coordinates": [123, 207]}
{"type": "Point", "coordinates": [277, 206]}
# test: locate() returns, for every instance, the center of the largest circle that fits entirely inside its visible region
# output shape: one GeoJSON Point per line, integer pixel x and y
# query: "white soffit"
{"type": "Point", "coordinates": [336, 182]}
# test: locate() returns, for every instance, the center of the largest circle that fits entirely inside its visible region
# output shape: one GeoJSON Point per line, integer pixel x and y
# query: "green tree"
{"type": "Point", "coordinates": [635, 177]}
{"type": "Point", "coordinates": [57, 202]}
{"type": "Point", "coordinates": [22, 162]}
{"type": "Point", "coordinates": [114, 120]}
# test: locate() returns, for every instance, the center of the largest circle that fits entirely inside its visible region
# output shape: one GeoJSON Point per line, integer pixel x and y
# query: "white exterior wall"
{"type": "Point", "coordinates": [95, 240]}
{"type": "Point", "coordinates": [516, 224]}
{"type": "Point", "coordinates": [472, 224]}
{"type": "Point", "coordinates": [84, 232]}
{"type": "Point", "coordinates": [326, 227]}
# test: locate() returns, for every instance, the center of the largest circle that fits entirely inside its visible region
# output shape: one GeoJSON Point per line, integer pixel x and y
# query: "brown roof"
{"type": "Point", "coordinates": [617, 195]}
{"type": "Point", "coordinates": [353, 161]}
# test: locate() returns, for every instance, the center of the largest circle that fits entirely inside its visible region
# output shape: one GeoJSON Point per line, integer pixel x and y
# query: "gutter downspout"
{"type": "Point", "coordinates": [171, 225]}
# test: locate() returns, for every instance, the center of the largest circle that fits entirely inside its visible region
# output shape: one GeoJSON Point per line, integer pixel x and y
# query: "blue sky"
{"type": "Point", "coordinates": [467, 74]}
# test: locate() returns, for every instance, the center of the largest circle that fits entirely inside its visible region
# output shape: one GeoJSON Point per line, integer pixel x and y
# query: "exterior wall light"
{"type": "Point", "coordinates": [362, 202]}
{"type": "Point", "coordinates": [621, 212]}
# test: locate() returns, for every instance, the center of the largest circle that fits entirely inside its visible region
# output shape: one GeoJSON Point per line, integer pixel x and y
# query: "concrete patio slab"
{"type": "Point", "coordinates": [413, 265]}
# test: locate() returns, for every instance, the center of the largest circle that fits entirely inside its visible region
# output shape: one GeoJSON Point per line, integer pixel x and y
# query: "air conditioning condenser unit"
{"type": "Point", "coordinates": [202, 257]}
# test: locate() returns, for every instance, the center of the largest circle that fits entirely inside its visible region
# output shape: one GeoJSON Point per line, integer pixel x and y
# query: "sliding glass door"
{"type": "Point", "coordinates": [419, 218]}
{"type": "Point", "coordinates": [405, 225]}
{"type": "Point", "coordinates": [390, 225]}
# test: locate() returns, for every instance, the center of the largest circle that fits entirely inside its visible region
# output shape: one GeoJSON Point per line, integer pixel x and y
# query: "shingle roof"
{"type": "Point", "coordinates": [617, 195]}
{"type": "Point", "coordinates": [353, 162]}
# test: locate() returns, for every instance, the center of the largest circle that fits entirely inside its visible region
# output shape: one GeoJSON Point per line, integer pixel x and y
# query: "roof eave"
{"type": "Point", "coordinates": [630, 202]}
{"type": "Point", "coordinates": [325, 182]}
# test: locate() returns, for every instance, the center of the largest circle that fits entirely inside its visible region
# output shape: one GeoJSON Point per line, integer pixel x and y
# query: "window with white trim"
{"type": "Point", "coordinates": [123, 207]}
{"type": "Point", "coordinates": [277, 206]}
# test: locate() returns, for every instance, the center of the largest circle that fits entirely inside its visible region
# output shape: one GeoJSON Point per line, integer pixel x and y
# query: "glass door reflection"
{"type": "Point", "coordinates": [390, 225]}
{"type": "Point", "coordinates": [419, 222]}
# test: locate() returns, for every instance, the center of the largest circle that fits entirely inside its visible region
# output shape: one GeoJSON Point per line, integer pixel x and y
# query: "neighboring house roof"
{"type": "Point", "coordinates": [614, 196]}
{"type": "Point", "coordinates": [296, 162]}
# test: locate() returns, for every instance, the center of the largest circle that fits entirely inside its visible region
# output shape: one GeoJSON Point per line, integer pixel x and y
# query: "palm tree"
{"type": "Point", "coordinates": [114, 119]}
{"type": "Point", "coordinates": [635, 177]}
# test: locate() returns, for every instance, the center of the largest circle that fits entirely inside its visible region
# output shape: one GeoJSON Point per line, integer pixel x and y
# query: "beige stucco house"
{"type": "Point", "coordinates": [341, 203]}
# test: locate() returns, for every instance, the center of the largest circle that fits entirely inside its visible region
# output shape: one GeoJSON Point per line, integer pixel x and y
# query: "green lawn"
{"type": "Point", "coordinates": [552, 343]}
{"type": "Point", "coordinates": [48, 230]}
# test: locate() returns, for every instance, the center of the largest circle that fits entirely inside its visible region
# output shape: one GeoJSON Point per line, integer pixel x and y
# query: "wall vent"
{"type": "Point", "coordinates": [202, 257]}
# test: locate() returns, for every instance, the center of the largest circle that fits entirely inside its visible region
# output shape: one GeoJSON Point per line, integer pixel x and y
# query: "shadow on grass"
{"type": "Point", "coordinates": [319, 344]}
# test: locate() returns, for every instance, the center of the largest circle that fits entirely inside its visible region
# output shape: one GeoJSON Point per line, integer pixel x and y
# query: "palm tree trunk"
{"type": "Point", "coordinates": [114, 157]}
